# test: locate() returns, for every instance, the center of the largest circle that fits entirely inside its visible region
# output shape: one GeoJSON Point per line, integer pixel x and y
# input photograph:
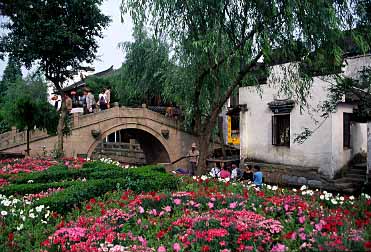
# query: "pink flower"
{"type": "Point", "coordinates": [211, 205]}
{"type": "Point", "coordinates": [279, 248]}
{"type": "Point", "coordinates": [141, 210]}
{"type": "Point", "coordinates": [232, 205]}
{"type": "Point", "coordinates": [302, 236]}
{"type": "Point", "coordinates": [301, 219]}
{"type": "Point", "coordinates": [318, 227]}
{"type": "Point", "coordinates": [161, 249]}
{"type": "Point", "coordinates": [177, 201]}
{"type": "Point", "coordinates": [143, 241]}
{"type": "Point", "coordinates": [167, 209]}
{"type": "Point", "coordinates": [176, 247]}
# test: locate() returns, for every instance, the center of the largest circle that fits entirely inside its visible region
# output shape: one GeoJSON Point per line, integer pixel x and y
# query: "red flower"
{"type": "Point", "coordinates": [88, 207]}
{"type": "Point", "coordinates": [367, 245]}
{"type": "Point", "coordinates": [160, 234]}
{"type": "Point", "coordinates": [10, 237]}
{"type": "Point", "coordinates": [92, 200]}
{"type": "Point", "coordinates": [205, 248]}
{"type": "Point", "coordinates": [45, 243]}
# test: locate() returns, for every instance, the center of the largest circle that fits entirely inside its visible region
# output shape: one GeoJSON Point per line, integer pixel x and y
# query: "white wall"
{"type": "Point", "coordinates": [359, 138]}
{"type": "Point", "coordinates": [256, 131]}
{"type": "Point", "coordinates": [324, 149]}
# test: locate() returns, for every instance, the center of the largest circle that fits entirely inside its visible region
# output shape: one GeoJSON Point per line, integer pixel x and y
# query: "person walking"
{"type": "Point", "coordinates": [102, 101]}
{"type": "Point", "coordinates": [68, 101]}
{"type": "Point", "coordinates": [193, 156]}
{"type": "Point", "coordinates": [107, 94]}
{"type": "Point", "coordinates": [89, 101]}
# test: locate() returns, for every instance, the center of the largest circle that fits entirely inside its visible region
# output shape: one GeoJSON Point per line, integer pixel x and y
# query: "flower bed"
{"type": "Point", "coordinates": [216, 216]}
{"type": "Point", "coordinates": [103, 207]}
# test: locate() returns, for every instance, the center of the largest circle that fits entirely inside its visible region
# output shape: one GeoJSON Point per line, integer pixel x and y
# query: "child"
{"type": "Point", "coordinates": [258, 177]}
{"type": "Point", "coordinates": [225, 173]}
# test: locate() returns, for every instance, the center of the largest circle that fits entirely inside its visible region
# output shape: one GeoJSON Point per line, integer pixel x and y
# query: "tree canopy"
{"type": "Point", "coordinates": [26, 107]}
{"type": "Point", "coordinates": [11, 74]}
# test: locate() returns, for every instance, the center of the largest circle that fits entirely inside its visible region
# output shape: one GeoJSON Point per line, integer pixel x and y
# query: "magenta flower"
{"type": "Point", "coordinates": [177, 201]}
{"type": "Point", "coordinates": [176, 247]}
{"type": "Point", "coordinates": [161, 249]}
{"type": "Point", "coordinates": [279, 248]}
{"type": "Point", "coordinates": [211, 205]}
{"type": "Point", "coordinates": [233, 205]}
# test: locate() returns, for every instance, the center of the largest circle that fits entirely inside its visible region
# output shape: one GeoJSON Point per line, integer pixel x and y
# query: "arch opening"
{"type": "Point", "coordinates": [132, 146]}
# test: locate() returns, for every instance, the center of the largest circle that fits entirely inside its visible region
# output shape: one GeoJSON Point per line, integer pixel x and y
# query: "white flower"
{"type": "Point", "coordinates": [322, 197]}
{"type": "Point", "coordinates": [227, 179]}
{"type": "Point", "coordinates": [351, 197]}
{"type": "Point", "coordinates": [294, 190]}
{"type": "Point", "coordinates": [304, 187]}
{"type": "Point", "coordinates": [6, 202]}
{"type": "Point", "coordinates": [365, 195]}
{"type": "Point", "coordinates": [44, 222]}
{"type": "Point", "coordinates": [47, 214]}
{"type": "Point", "coordinates": [4, 213]}
{"type": "Point", "coordinates": [203, 177]}
{"type": "Point", "coordinates": [194, 178]}
{"type": "Point", "coordinates": [39, 208]}
{"type": "Point", "coordinates": [342, 198]}
{"type": "Point", "coordinates": [333, 201]}
{"type": "Point", "coordinates": [15, 201]}
{"type": "Point", "coordinates": [23, 217]}
{"type": "Point", "coordinates": [274, 188]}
{"type": "Point", "coordinates": [30, 181]}
{"type": "Point", "coordinates": [20, 227]}
{"type": "Point", "coordinates": [32, 215]}
{"type": "Point", "coordinates": [269, 187]}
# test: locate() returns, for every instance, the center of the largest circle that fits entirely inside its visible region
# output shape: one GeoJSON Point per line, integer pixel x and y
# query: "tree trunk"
{"type": "Point", "coordinates": [204, 141]}
{"type": "Point", "coordinates": [221, 136]}
{"type": "Point", "coordinates": [28, 141]}
{"type": "Point", "coordinates": [61, 124]}
{"type": "Point", "coordinates": [368, 150]}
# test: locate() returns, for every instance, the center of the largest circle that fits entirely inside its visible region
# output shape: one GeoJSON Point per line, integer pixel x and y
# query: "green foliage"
{"type": "Point", "coordinates": [25, 105]}
{"type": "Point", "coordinates": [144, 70]}
{"type": "Point", "coordinates": [11, 74]}
{"type": "Point", "coordinates": [100, 178]}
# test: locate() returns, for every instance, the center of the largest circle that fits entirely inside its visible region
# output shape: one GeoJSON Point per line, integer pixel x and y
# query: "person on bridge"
{"type": "Point", "coordinates": [68, 103]}
{"type": "Point", "coordinates": [107, 94]}
{"type": "Point", "coordinates": [193, 156]}
{"type": "Point", "coordinates": [90, 103]}
{"type": "Point", "coordinates": [102, 100]}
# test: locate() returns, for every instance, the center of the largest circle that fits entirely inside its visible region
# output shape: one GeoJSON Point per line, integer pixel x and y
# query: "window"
{"type": "Point", "coordinates": [281, 130]}
{"type": "Point", "coordinates": [346, 129]}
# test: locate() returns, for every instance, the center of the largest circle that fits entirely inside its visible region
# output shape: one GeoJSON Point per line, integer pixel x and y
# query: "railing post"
{"type": "Point", "coordinates": [13, 134]}
{"type": "Point", "coordinates": [75, 120]}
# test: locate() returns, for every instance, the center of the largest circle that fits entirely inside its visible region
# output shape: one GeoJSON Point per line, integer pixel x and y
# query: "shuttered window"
{"type": "Point", "coordinates": [281, 130]}
{"type": "Point", "coordinates": [346, 129]}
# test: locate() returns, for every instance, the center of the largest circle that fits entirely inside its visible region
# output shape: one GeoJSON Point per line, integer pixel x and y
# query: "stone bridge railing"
{"type": "Point", "coordinates": [15, 137]}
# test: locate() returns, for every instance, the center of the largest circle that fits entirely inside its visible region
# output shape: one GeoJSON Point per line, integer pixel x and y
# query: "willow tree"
{"type": "Point", "coordinates": [58, 36]}
{"type": "Point", "coordinates": [219, 45]}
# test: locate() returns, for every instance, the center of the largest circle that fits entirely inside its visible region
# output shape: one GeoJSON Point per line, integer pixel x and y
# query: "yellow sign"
{"type": "Point", "coordinates": [233, 135]}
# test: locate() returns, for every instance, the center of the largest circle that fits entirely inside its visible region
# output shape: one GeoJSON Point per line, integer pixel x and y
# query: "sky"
{"type": "Point", "coordinates": [108, 53]}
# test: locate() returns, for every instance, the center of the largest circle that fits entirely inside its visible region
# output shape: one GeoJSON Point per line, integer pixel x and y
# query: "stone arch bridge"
{"type": "Point", "coordinates": [159, 138]}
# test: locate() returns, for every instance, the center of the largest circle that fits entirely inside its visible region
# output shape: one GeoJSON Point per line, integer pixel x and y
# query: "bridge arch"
{"type": "Point", "coordinates": [153, 144]}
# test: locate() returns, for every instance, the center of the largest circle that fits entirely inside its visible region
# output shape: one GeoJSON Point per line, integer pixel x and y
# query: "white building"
{"type": "Point", "coordinates": [272, 121]}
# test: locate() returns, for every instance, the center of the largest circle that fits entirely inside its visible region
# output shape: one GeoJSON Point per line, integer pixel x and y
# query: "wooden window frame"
{"type": "Point", "coordinates": [278, 127]}
{"type": "Point", "coordinates": [347, 137]}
